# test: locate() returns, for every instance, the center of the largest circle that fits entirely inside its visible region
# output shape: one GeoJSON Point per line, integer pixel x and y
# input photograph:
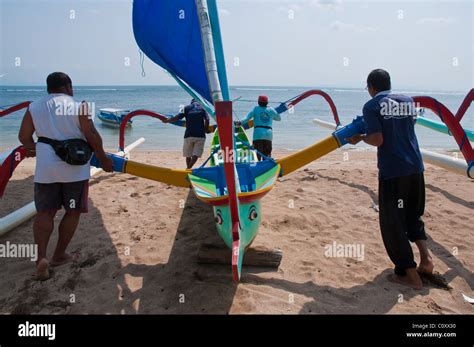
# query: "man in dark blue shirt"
{"type": "Point", "coordinates": [197, 124]}
{"type": "Point", "coordinates": [390, 121]}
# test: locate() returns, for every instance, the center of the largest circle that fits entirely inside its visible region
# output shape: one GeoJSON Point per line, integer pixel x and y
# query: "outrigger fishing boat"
{"type": "Point", "coordinates": [234, 182]}
{"type": "Point", "coordinates": [113, 116]}
{"type": "Point", "coordinates": [231, 180]}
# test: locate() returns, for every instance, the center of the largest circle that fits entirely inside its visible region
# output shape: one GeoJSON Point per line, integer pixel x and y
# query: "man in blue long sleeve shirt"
{"type": "Point", "coordinates": [390, 121]}
{"type": "Point", "coordinates": [263, 117]}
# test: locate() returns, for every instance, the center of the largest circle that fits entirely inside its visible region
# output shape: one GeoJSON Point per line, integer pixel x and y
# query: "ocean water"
{"type": "Point", "coordinates": [295, 131]}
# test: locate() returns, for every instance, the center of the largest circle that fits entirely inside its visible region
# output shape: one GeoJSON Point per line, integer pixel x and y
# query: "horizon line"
{"type": "Point", "coordinates": [232, 86]}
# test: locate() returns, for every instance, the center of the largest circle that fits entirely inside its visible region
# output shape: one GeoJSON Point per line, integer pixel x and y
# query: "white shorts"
{"type": "Point", "coordinates": [193, 146]}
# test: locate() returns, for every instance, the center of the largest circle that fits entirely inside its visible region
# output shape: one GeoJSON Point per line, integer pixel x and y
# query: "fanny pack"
{"type": "Point", "coordinates": [73, 152]}
{"type": "Point", "coordinates": [263, 126]}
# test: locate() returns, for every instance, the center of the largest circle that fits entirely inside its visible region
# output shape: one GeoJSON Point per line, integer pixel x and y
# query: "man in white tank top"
{"type": "Point", "coordinates": [58, 184]}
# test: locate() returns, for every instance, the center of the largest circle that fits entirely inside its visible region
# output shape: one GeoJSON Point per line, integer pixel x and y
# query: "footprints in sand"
{"type": "Point", "coordinates": [90, 261]}
{"type": "Point", "coordinates": [311, 177]}
{"type": "Point", "coordinates": [122, 209]}
{"type": "Point", "coordinates": [151, 232]}
{"type": "Point", "coordinates": [448, 212]}
{"type": "Point", "coordinates": [301, 222]}
{"type": "Point", "coordinates": [53, 295]}
{"type": "Point", "coordinates": [59, 303]}
{"type": "Point", "coordinates": [309, 171]}
{"type": "Point", "coordinates": [308, 263]}
{"type": "Point", "coordinates": [308, 268]}
{"type": "Point", "coordinates": [131, 178]}
{"type": "Point", "coordinates": [434, 307]}
{"type": "Point", "coordinates": [147, 192]}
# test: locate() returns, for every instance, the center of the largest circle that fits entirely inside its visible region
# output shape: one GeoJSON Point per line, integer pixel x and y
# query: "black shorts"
{"type": "Point", "coordinates": [264, 147]}
{"type": "Point", "coordinates": [50, 197]}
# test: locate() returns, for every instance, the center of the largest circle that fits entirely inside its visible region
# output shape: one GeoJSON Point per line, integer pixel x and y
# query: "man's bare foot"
{"type": "Point", "coordinates": [42, 271]}
{"type": "Point", "coordinates": [426, 266]}
{"type": "Point", "coordinates": [66, 258]}
{"type": "Point", "coordinates": [411, 279]}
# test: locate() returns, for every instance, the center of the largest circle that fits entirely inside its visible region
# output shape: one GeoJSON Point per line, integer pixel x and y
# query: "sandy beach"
{"type": "Point", "coordinates": [140, 240]}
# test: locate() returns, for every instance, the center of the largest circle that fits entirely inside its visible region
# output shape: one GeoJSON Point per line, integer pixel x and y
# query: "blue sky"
{"type": "Point", "coordinates": [425, 45]}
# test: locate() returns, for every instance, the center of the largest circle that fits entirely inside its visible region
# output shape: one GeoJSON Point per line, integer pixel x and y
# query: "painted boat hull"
{"type": "Point", "coordinates": [256, 179]}
{"type": "Point", "coordinates": [249, 225]}
{"type": "Point", "coordinates": [112, 120]}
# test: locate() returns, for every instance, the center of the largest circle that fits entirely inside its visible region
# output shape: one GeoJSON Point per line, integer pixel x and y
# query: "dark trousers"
{"type": "Point", "coordinates": [401, 206]}
{"type": "Point", "coordinates": [264, 147]}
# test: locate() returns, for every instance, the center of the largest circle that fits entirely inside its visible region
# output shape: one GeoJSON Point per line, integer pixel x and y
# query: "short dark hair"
{"type": "Point", "coordinates": [379, 79]}
{"type": "Point", "coordinates": [262, 104]}
{"type": "Point", "coordinates": [57, 80]}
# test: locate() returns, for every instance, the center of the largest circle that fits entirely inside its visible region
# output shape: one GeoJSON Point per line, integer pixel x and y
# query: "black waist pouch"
{"type": "Point", "coordinates": [73, 152]}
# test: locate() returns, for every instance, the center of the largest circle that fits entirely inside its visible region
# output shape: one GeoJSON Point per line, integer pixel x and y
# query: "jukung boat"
{"type": "Point", "coordinates": [113, 116]}
{"type": "Point", "coordinates": [234, 182]}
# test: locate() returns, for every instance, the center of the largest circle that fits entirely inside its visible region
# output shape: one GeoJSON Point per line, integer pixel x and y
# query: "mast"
{"type": "Point", "coordinates": [218, 47]}
{"type": "Point", "coordinates": [208, 47]}
{"type": "Point", "coordinates": [225, 127]}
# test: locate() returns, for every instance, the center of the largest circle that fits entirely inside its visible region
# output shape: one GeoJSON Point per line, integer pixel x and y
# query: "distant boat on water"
{"type": "Point", "coordinates": [113, 116]}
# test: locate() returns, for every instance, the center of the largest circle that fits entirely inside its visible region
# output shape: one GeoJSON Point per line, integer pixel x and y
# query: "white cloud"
{"type": "Point", "coordinates": [435, 21]}
{"type": "Point", "coordinates": [341, 26]}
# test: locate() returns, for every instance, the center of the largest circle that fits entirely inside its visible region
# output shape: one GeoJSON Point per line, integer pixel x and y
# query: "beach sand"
{"type": "Point", "coordinates": [140, 240]}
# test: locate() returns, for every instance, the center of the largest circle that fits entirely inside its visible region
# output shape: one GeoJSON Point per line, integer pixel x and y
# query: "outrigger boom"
{"type": "Point", "coordinates": [446, 162]}
{"type": "Point", "coordinates": [18, 217]}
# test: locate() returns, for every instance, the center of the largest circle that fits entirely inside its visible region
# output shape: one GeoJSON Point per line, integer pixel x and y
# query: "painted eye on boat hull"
{"type": "Point", "coordinates": [253, 213]}
{"type": "Point", "coordinates": [218, 219]}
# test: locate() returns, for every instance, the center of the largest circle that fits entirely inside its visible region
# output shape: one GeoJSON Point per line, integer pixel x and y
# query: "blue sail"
{"type": "Point", "coordinates": [168, 32]}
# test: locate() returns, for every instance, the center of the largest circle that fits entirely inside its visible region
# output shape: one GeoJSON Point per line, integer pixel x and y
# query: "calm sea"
{"type": "Point", "coordinates": [295, 131]}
